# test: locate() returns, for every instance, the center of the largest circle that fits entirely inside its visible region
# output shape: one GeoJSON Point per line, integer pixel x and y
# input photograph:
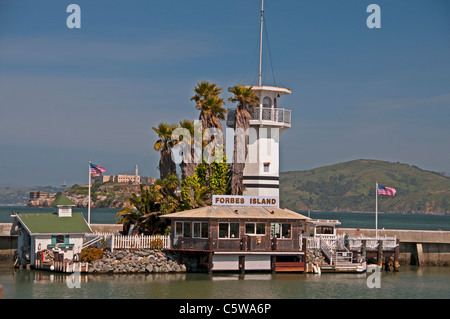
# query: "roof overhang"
{"type": "Point", "coordinates": [238, 212]}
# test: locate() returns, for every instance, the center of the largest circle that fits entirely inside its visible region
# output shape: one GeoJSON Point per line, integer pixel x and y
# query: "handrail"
{"type": "Point", "coordinates": [327, 250]}
{"type": "Point", "coordinates": [277, 115]}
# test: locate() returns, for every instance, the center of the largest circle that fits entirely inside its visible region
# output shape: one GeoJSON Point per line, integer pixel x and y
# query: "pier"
{"type": "Point", "coordinates": [58, 264]}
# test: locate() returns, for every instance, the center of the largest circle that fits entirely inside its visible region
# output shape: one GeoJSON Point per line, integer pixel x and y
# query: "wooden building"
{"type": "Point", "coordinates": [241, 238]}
{"type": "Point", "coordinates": [60, 232]}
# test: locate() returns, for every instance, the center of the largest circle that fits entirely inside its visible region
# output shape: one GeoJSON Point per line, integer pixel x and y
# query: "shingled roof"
{"type": "Point", "coordinates": [238, 212]}
{"type": "Point", "coordinates": [50, 223]}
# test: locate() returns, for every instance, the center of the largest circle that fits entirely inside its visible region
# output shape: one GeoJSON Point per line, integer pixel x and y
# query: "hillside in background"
{"type": "Point", "coordinates": [350, 186]}
{"type": "Point", "coordinates": [19, 195]}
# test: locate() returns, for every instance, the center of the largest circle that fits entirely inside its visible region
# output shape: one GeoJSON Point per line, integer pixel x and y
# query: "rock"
{"type": "Point", "coordinates": [138, 261]}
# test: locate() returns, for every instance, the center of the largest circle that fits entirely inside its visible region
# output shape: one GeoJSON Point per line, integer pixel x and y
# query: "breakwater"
{"type": "Point", "coordinates": [137, 261]}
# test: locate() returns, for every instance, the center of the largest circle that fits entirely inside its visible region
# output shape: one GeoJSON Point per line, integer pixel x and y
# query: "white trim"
{"type": "Point", "coordinates": [222, 238]}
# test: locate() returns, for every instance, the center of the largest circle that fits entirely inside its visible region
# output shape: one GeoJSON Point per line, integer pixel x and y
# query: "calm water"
{"type": "Point", "coordinates": [410, 282]}
{"type": "Point", "coordinates": [348, 220]}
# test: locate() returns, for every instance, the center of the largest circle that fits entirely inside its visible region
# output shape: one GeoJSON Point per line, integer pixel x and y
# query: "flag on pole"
{"type": "Point", "coordinates": [96, 170]}
{"type": "Point", "coordinates": [389, 191]}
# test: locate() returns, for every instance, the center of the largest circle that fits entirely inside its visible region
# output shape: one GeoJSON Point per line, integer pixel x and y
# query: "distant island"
{"type": "Point", "coordinates": [348, 186]}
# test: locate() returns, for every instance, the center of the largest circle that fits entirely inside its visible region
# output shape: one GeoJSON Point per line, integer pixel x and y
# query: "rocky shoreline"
{"type": "Point", "coordinates": [137, 261]}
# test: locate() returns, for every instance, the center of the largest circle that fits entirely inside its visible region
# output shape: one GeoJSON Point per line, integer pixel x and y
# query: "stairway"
{"type": "Point", "coordinates": [339, 261]}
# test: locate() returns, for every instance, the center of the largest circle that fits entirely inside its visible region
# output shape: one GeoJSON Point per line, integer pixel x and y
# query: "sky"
{"type": "Point", "coordinates": [70, 94]}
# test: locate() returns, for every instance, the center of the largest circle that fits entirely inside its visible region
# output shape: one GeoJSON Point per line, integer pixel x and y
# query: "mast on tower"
{"type": "Point", "coordinates": [260, 41]}
{"type": "Point", "coordinates": [268, 120]}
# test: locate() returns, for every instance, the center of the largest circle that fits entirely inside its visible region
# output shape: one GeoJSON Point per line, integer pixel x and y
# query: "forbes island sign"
{"type": "Point", "coordinates": [236, 200]}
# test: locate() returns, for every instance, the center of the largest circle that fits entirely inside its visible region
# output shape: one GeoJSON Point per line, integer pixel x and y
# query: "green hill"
{"type": "Point", "coordinates": [350, 186]}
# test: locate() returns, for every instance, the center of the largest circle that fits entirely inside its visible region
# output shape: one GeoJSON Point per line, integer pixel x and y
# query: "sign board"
{"type": "Point", "coordinates": [236, 200]}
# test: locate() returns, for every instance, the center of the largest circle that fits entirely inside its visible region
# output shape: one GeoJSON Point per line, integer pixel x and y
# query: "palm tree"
{"type": "Point", "coordinates": [209, 103]}
{"type": "Point", "coordinates": [153, 201]}
{"type": "Point", "coordinates": [164, 145]}
{"type": "Point", "coordinates": [140, 205]}
{"type": "Point", "coordinates": [211, 108]}
{"type": "Point", "coordinates": [247, 100]}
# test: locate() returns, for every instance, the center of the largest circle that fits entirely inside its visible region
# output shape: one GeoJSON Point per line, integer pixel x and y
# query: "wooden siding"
{"type": "Point", "coordinates": [245, 242]}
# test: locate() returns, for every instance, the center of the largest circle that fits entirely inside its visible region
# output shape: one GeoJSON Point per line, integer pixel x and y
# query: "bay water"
{"type": "Point", "coordinates": [347, 219]}
{"type": "Point", "coordinates": [411, 282]}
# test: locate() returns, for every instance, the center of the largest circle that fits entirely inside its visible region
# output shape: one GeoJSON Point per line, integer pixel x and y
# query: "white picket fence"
{"type": "Point", "coordinates": [115, 241]}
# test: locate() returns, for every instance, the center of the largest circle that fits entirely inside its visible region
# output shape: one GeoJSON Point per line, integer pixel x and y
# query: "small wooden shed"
{"type": "Point", "coordinates": [62, 231]}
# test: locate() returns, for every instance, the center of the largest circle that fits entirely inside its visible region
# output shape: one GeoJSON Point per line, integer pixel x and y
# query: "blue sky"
{"type": "Point", "coordinates": [67, 95]}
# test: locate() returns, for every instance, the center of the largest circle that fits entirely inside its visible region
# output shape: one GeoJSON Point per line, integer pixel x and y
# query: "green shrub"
{"type": "Point", "coordinates": [157, 244]}
{"type": "Point", "coordinates": [91, 253]}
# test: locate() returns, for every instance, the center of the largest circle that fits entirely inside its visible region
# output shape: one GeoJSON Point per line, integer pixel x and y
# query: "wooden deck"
{"type": "Point", "coordinates": [289, 267]}
{"type": "Point", "coordinates": [60, 265]}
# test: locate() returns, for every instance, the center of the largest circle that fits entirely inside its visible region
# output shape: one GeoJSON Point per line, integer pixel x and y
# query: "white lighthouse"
{"type": "Point", "coordinates": [269, 119]}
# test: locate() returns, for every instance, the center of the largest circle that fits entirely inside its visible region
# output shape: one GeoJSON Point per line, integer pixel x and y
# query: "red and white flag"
{"type": "Point", "coordinates": [389, 191]}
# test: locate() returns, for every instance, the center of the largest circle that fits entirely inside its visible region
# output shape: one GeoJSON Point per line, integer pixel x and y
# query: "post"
{"type": "Point", "coordinates": [89, 196]}
{"type": "Point", "coordinates": [260, 43]}
{"type": "Point", "coordinates": [274, 260]}
{"type": "Point", "coordinates": [210, 263]}
{"type": "Point", "coordinates": [376, 210]}
{"type": "Point", "coordinates": [380, 254]}
{"type": "Point", "coordinates": [397, 251]}
{"type": "Point", "coordinates": [242, 264]}
{"type": "Point", "coordinates": [112, 242]}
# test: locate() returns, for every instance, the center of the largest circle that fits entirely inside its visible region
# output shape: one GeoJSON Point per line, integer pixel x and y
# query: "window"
{"type": "Point", "coordinates": [60, 239]}
{"type": "Point", "coordinates": [228, 230]}
{"type": "Point", "coordinates": [255, 228]}
{"type": "Point", "coordinates": [267, 102]}
{"type": "Point", "coordinates": [328, 230]}
{"type": "Point", "coordinates": [182, 229]}
{"type": "Point", "coordinates": [200, 230]}
{"type": "Point", "coordinates": [280, 230]}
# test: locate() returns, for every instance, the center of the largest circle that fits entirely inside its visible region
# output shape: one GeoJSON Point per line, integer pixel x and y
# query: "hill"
{"type": "Point", "coordinates": [19, 195]}
{"type": "Point", "coordinates": [350, 186]}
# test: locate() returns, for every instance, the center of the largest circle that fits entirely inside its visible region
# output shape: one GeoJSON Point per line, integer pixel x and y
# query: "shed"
{"type": "Point", "coordinates": [62, 231]}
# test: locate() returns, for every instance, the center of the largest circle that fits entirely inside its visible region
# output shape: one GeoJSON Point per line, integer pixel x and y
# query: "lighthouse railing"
{"type": "Point", "coordinates": [263, 114]}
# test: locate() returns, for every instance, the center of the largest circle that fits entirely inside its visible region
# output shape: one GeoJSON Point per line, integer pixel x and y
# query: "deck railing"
{"type": "Point", "coordinates": [116, 241]}
{"type": "Point", "coordinates": [263, 114]}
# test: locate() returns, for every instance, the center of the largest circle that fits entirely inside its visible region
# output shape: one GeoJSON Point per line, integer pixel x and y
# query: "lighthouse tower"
{"type": "Point", "coordinates": [269, 119]}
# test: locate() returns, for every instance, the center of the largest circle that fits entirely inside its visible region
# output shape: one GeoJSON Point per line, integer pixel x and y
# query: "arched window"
{"type": "Point", "coordinates": [267, 102]}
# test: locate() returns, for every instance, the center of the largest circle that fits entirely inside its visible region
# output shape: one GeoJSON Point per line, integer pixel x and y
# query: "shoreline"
{"type": "Point", "coordinates": [303, 212]}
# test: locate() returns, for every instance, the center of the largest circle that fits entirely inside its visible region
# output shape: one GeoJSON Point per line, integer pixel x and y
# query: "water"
{"type": "Point", "coordinates": [387, 221]}
{"type": "Point", "coordinates": [98, 215]}
{"type": "Point", "coordinates": [348, 220]}
{"type": "Point", "coordinates": [410, 283]}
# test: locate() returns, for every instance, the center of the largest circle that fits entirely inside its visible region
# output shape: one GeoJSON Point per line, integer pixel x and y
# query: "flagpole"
{"type": "Point", "coordinates": [89, 198]}
{"type": "Point", "coordinates": [376, 210]}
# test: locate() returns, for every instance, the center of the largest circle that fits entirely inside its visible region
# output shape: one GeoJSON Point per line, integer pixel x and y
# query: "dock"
{"type": "Point", "coordinates": [59, 264]}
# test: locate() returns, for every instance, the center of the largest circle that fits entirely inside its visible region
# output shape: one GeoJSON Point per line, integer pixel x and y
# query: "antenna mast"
{"type": "Point", "coordinates": [260, 42]}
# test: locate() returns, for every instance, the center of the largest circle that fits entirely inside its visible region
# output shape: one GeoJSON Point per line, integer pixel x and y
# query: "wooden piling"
{"type": "Point", "coordinates": [242, 264]}
{"type": "Point", "coordinates": [396, 253]}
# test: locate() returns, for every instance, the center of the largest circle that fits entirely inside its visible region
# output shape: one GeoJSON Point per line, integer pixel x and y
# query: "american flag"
{"type": "Point", "coordinates": [389, 191]}
{"type": "Point", "coordinates": [96, 170]}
